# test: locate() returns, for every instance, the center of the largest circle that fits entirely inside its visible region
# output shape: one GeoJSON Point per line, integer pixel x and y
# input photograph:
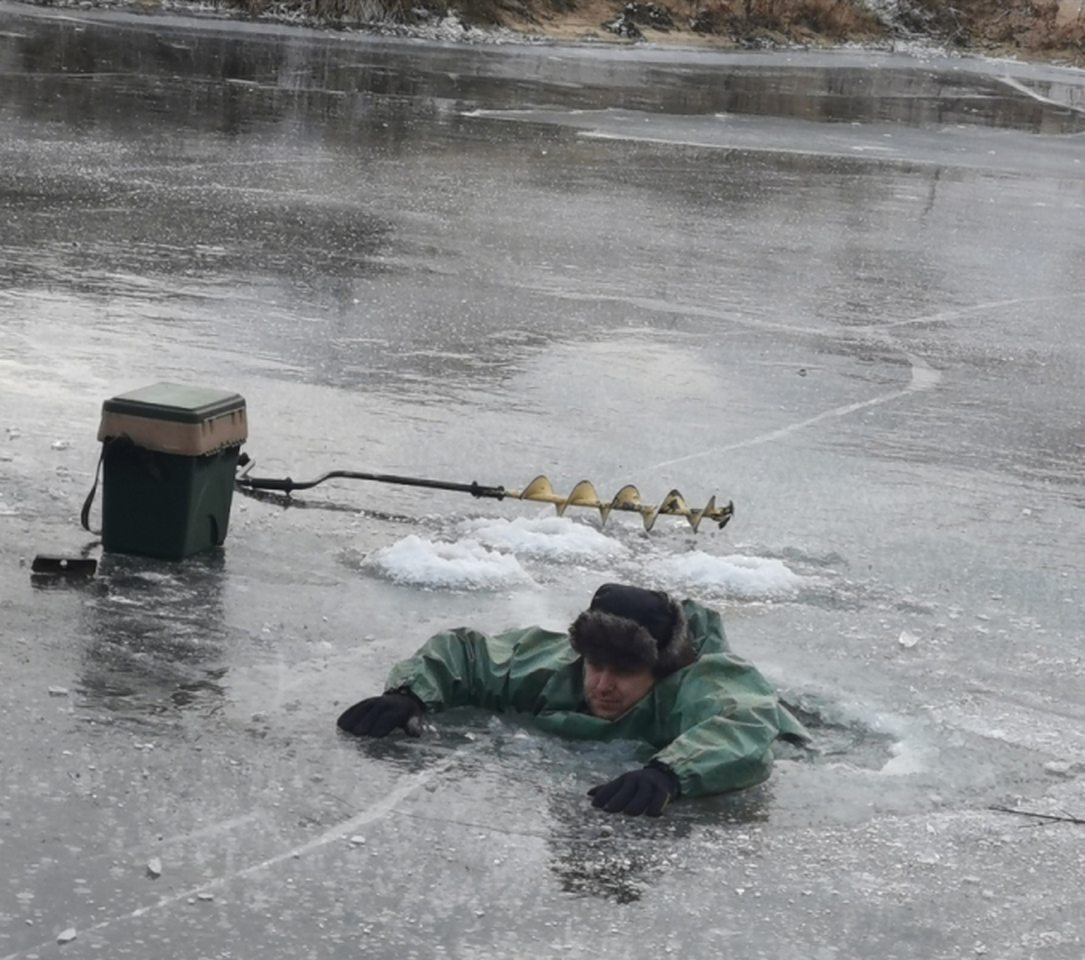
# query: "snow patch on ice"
{"type": "Point", "coordinates": [908, 758]}
{"type": "Point", "coordinates": [465, 565]}
{"type": "Point", "coordinates": [742, 577]}
{"type": "Point", "coordinates": [549, 538]}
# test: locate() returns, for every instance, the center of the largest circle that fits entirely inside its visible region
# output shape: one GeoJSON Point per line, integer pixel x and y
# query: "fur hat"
{"type": "Point", "coordinates": [630, 628]}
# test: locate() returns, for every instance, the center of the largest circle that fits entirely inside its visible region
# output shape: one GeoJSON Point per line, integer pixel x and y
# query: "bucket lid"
{"type": "Point", "coordinates": [176, 402]}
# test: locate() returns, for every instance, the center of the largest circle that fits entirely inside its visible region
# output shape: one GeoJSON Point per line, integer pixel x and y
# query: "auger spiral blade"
{"type": "Point", "coordinates": [627, 499]}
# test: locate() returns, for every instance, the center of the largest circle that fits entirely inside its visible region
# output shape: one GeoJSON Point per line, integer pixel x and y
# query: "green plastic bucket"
{"type": "Point", "coordinates": [168, 466]}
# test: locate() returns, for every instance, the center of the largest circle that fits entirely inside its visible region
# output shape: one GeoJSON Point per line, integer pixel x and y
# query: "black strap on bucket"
{"type": "Point", "coordinates": [84, 514]}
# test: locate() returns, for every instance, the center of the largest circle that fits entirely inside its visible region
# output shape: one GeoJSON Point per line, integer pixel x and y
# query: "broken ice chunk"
{"type": "Point", "coordinates": [907, 639]}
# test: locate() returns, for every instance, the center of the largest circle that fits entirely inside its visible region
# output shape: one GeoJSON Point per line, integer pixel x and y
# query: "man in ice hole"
{"type": "Point", "coordinates": [636, 665]}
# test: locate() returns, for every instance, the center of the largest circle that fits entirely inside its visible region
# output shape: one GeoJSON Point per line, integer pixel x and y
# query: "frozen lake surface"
{"type": "Point", "coordinates": [845, 290]}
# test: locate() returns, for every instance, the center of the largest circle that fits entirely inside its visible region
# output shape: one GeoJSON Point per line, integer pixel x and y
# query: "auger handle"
{"type": "Point", "coordinates": [288, 485]}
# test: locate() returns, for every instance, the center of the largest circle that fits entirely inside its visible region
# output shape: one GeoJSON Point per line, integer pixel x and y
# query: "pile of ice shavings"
{"type": "Point", "coordinates": [546, 538]}
{"type": "Point", "coordinates": [489, 558]}
{"type": "Point", "coordinates": [735, 576]}
{"type": "Point", "coordinates": [466, 565]}
{"type": "Point", "coordinates": [908, 758]}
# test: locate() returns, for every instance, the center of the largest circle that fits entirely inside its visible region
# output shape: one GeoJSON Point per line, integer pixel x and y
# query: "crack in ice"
{"type": "Point", "coordinates": [924, 377]}
{"type": "Point", "coordinates": [377, 811]}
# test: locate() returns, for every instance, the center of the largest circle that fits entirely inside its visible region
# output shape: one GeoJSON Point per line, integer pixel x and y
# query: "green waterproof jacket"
{"type": "Point", "coordinates": [711, 723]}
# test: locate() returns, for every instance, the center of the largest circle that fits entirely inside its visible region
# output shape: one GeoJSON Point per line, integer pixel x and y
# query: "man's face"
{"type": "Point", "coordinates": [610, 692]}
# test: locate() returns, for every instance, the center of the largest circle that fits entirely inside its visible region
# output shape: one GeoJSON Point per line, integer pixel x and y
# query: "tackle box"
{"type": "Point", "coordinates": [169, 458]}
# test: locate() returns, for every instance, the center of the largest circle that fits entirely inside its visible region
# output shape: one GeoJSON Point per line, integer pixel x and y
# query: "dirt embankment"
{"type": "Point", "coordinates": [1052, 30]}
{"type": "Point", "coordinates": [1034, 29]}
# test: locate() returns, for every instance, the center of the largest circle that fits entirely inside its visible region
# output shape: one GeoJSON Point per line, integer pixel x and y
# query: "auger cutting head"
{"type": "Point", "coordinates": [627, 499]}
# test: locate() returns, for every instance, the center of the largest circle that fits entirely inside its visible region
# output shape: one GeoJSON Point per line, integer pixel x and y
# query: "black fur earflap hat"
{"type": "Point", "coordinates": [629, 629]}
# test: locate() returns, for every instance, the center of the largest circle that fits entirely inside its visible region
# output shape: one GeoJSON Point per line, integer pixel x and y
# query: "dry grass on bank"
{"type": "Point", "coordinates": [832, 20]}
{"type": "Point", "coordinates": [1023, 27]}
{"type": "Point", "coordinates": [782, 20]}
{"type": "Point", "coordinates": [1028, 27]}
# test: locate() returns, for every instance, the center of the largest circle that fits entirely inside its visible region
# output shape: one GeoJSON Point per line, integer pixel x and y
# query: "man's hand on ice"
{"type": "Point", "coordinates": [646, 791]}
{"type": "Point", "coordinates": [379, 716]}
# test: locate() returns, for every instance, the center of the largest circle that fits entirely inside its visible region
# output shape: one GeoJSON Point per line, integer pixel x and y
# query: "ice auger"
{"type": "Point", "coordinates": [540, 489]}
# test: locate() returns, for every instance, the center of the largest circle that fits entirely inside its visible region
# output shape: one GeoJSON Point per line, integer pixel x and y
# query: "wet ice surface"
{"type": "Point", "coordinates": [844, 290]}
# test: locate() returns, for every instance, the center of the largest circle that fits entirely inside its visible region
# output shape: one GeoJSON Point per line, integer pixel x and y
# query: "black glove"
{"type": "Point", "coordinates": [647, 790]}
{"type": "Point", "coordinates": [379, 716]}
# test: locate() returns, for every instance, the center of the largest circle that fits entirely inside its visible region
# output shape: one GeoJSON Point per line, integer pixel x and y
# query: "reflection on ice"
{"type": "Point", "coordinates": [611, 860]}
{"type": "Point", "coordinates": [151, 642]}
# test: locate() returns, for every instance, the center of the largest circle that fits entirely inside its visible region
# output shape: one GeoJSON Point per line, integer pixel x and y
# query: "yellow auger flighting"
{"type": "Point", "coordinates": [540, 490]}
{"type": "Point", "coordinates": [626, 499]}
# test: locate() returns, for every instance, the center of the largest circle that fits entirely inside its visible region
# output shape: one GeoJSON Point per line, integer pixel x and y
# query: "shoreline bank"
{"type": "Point", "coordinates": [584, 26]}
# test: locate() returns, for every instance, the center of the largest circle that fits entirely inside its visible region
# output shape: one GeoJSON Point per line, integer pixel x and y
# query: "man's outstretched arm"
{"type": "Point", "coordinates": [729, 750]}
{"type": "Point", "coordinates": [454, 668]}
{"type": "Point", "coordinates": [717, 755]}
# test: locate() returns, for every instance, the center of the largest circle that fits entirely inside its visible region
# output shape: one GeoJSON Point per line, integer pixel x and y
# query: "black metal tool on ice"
{"type": "Point", "coordinates": [50, 564]}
